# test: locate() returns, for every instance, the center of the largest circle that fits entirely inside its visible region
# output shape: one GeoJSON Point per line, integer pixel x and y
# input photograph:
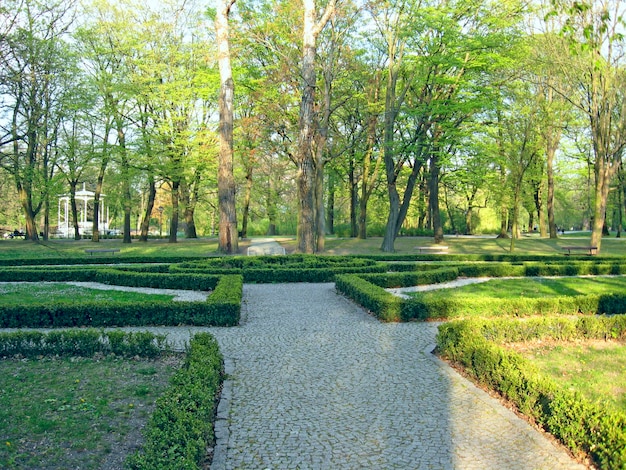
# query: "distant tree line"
{"type": "Point", "coordinates": [328, 117]}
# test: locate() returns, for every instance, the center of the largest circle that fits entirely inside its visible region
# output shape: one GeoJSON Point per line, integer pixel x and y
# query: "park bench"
{"type": "Point", "coordinates": [591, 250]}
{"type": "Point", "coordinates": [91, 251]}
{"type": "Point", "coordinates": [436, 249]}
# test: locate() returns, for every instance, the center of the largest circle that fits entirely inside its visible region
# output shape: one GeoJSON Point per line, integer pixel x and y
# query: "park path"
{"type": "Point", "coordinates": [314, 382]}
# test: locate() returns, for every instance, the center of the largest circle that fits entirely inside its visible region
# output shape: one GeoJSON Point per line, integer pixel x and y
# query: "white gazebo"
{"type": "Point", "coordinates": [85, 217]}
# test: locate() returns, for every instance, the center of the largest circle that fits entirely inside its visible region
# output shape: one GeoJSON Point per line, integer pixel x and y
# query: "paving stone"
{"type": "Point", "coordinates": [319, 383]}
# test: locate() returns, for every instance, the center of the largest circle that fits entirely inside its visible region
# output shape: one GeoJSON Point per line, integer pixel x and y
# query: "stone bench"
{"type": "Point", "coordinates": [102, 250]}
{"type": "Point", "coordinates": [591, 250]}
{"type": "Point", "coordinates": [266, 250]}
{"type": "Point", "coordinates": [435, 249]}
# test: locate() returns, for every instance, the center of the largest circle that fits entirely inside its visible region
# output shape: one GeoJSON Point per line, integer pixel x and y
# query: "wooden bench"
{"type": "Point", "coordinates": [435, 249]}
{"type": "Point", "coordinates": [591, 250]}
{"type": "Point", "coordinates": [102, 250]}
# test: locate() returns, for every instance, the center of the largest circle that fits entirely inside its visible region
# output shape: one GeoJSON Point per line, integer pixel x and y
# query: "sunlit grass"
{"type": "Point", "coordinates": [596, 369]}
{"type": "Point", "coordinates": [27, 293]}
{"type": "Point", "coordinates": [20, 249]}
{"type": "Point", "coordinates": [488, 245]}
{"type": "Point", "coordinates": [536, 287]}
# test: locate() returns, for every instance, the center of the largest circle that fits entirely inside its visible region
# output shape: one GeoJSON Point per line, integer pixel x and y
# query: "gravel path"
{"type": "Point", "coordinates": [316, 383]}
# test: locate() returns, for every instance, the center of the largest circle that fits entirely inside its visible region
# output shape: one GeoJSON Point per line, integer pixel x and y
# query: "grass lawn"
{"type": "Point", "coordinates": [27, 293]}
{"type": "Point", "coordinates": [75, 412]}
{"type": "Point", "coordinates": [596, 369]}
{"type": "Point", "coordinates": [532, 245]}
{"type": "Point", "coordinates": [535, 287]}
{"type": "Point", "coordinates": [21, 249]}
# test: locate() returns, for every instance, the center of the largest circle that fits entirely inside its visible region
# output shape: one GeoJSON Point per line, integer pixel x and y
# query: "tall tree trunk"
{"type": "Point", "coordinates": [74, 210]}
{"type": "Point", "coordinates": [369, 176]}
{"type": "Point", "coordinates": [434, 197]}
{"type": "Point", "coordinates": [145, 223]}
{"type": "Point", "coordinates": [355, 226]}
{"type": "Point", "coordinates": [175, 197]}
{"type": "Point", "coordinates": [95, 235]}
{"type": "Point", "coordinates": [306, 158]}
{"type": "Point", "coordinates": [228, 235]}
{"type": "Point", "coordinates": [330, 205]}
{"type": "Point", "coordinates": [247, 198]}
{"type": "Point", "coordinates": [543, 230]}
{"type": "Point", "coordinates": [550, 153]}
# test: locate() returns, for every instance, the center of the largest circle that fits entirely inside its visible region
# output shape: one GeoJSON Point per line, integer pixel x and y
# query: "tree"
{"type": "Point", "coordinates": [305, 154]}
{"type": "Point", "coordinates": [228, 236]}
{"type": "Point", "coordinates": [35, 69]}
{"type": "Point", "coordinates": [592, 79]}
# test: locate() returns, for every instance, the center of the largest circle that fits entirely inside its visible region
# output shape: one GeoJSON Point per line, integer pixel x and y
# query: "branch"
{"type": "Point", "coordinates": [328, 12]}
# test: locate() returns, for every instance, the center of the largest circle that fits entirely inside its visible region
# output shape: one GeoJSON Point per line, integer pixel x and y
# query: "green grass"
{"type": "Point", "coordinates": [21, 249]}
{"type": "Point", "coordinates": [596, 369]}
{"type": "Point", "coordinates": [536, 287]}
{"type": "Point", "coordinates": [74, 412]}
{"type": "Point", "coordinates": [27, 293]}
{"type": "Point", "coordinates": [489, 245]}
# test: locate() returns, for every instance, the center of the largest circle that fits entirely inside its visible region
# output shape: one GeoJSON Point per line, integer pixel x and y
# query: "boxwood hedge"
{"type": "Point", "coordinates": [582, 425]}
{"type": "Point", "coordinates": [222, 307]}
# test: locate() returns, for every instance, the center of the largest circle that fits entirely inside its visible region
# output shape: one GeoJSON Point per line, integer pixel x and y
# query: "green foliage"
{"type": "Point", "coordinates": [181, 428]}
{"type": "Point", "coordinates": [441, 305]}
{"type": "Point", "coordinates": [394, 280]}
{"type": "Point", "coordinates": [293, 268]}
{"type": "Point", "coordinates": [87, 343]}
{"type": "Point", "coordinates": [582, 425]}
{"type": "Point", "coordinates": [222, 307]}
{"type": "Point", "coordinates": [385, 306]}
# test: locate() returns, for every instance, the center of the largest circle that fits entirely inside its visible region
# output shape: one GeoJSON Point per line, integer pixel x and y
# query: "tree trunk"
{"type": "Point", "coordinates": [330, 206]}
{"type": "Point", "coordinates": [306, 166]}
{"type": "Point", "coordinates": [369, 177]}
{"type": "Point", "coordinates": [247, 197]}
{"type": "Point", "coordinates": [434, 198]}
{"type": "Point", "coordinates": [173, 237]}
{"type": "Point", "coordinates": [145, 223]}
{"type": "Point", "coordinates": [550, 153]}
{"type": "Point", "coordinates": [74, 210]}
{"type": "Point", "coordinates": [306, 157]}
{"type": "Point", "coordinates": [355, 226]}
{"type": "Point", "coordinates": [228, 235]}
{"type": "Point", "coordinates": [95, 235]}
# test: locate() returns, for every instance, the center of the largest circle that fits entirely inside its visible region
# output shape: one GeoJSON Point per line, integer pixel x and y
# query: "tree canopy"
{"type": "Point", "coordinates": [392, 118]}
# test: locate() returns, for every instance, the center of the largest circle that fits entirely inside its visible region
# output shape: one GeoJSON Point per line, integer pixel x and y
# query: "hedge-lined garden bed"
{"type": "Point", "coordinates": [369, 291]}
{"type": "Point", "coordinates": [181, 428]}
{"type": "Point", "coordinates": [222, 307]}
{"type": "Point", "coordinates": [584, 426]}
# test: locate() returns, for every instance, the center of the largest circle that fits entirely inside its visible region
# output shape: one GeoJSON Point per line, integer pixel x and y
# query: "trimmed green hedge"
{"type": "Point", "coordinates": [115, 276]}
{"type": "Point", "coordinates": [86, 343]}
{"type": "Point", "coordinates": [582, 425]}
{"type": "Point", "coordinates": [408, 279]}
{"type": "Point", "coordinates": [367, 290]}
{"type": "Point", "coordinates": [182, 426]}
{"type": "Point", "coordinates": [274, 269]}
{"type": "Point", "coordinates": [222, 307]}
{"type": "Point", "coordinates": [382, 304]}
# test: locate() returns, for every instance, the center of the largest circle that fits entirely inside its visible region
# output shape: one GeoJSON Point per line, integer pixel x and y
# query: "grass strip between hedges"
{"type": "Point", "coordinates": [583, 426]}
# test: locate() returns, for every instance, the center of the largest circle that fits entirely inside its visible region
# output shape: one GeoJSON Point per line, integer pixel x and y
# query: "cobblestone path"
{"type": "Point", "coordinates": [316, 383]}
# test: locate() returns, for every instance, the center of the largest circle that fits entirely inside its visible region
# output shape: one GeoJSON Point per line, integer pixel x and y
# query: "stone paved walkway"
{"type": "Point", "coordinates": [316, 383]}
